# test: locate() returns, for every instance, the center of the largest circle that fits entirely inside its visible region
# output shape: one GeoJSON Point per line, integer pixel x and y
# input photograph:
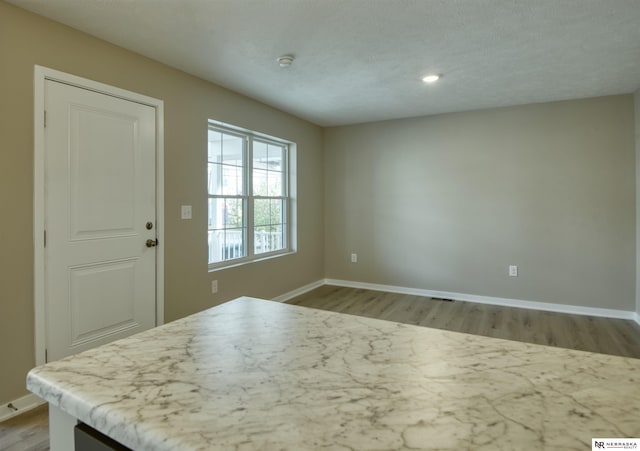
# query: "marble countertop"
{"type": "Point", "coordinates": [254, 374]}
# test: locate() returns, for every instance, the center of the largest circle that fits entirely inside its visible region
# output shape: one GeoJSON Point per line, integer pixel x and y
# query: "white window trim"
{"type": "Point", "coordinates": [290, 195]}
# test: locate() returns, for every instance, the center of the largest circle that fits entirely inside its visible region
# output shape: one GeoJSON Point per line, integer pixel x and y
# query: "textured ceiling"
{"type": "Point", "coordinates": [362, 60]}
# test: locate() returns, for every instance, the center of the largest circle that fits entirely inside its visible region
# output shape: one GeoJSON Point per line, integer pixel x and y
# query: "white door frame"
{"type": "Point", "coordinates": [41, 74]}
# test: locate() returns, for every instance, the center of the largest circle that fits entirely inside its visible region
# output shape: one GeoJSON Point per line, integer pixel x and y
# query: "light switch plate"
{"type": "Point", "coordinates": [185, 212]}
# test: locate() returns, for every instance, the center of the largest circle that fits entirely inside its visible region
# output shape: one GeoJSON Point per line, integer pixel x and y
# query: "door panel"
{"type": "Point", "coordinates": [100, 187]}
{"type": "Point", "coordinates": [102, 157]}
{"type": "Point", "coordinates": [102, 299]}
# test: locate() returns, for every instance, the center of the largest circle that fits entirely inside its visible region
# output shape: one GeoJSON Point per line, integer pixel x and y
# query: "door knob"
{"type": "Point", "coordinates": [152, 243]}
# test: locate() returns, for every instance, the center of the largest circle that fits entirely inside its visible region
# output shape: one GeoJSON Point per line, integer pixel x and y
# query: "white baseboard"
{"type": "Point", "coordinates": [546, 306]}
{"type": "Point", "coordinates": [298, 291]}
{"type": "Point", "coordinates": [637, 318]}
{"type": "Point", "coordinates": [19, 406]}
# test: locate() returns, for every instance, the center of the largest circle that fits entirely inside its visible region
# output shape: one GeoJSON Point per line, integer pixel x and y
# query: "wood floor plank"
{"type": "Point", "coordinates": [412, 309]}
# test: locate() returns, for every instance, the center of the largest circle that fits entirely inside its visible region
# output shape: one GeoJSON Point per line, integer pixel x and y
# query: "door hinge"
{"type": "Point", "coordinates": [45, 238]}
{"type": "Point", "coordinates": [46, 356]}
{"type": "Point", "coordinates": [45, 118]}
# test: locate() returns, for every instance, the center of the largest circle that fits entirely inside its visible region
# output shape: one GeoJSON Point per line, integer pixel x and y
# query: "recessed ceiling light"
{"type": "Point", "coordinates": [431, 78]}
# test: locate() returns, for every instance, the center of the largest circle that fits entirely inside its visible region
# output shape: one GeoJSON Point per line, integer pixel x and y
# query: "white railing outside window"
{"type": "Point", "coordinates": [229, 245]}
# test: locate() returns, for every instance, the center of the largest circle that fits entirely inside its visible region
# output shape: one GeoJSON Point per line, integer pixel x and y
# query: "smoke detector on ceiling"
{"type": "Point", "coordinates": [285, 60]}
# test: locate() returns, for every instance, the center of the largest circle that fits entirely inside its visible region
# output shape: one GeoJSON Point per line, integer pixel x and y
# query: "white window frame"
{"type": "Point", "coordinates": [248, 197]}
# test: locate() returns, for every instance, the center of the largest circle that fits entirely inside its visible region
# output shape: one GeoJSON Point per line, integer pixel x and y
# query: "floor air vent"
{"type": "Point", "coordinates": [442, 299]}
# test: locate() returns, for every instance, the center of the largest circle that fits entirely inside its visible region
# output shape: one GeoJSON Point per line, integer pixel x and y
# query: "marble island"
{"type": "Point", "coordinates": [254, 374]}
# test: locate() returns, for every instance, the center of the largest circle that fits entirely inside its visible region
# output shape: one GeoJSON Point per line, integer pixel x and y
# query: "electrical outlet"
{"type": "Point", "coordinates": [513, 270]}
{"type": "Point", "coordinates": [354, 258]}
{"type": "Point", "coordinates": [214, 286]}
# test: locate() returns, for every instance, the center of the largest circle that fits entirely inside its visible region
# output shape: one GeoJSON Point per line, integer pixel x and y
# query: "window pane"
{"type": "Point", "coordinates": [280, 232]}
{"type": "Point", "coordinates": [268, 212]}
{"type": "Point", "coordinates": [216, 242]}
{"type": "Point", "coordinates": [260, 155]}
{"type": "Point", "coordinates": [266, 239]}
{"type": "Point", "coordinates": [226, 213]}
{"type": "Point", "coordinates": [232, 150]}
{"type": "Point", "coordinates": [276, 211]}
{"type": "Point", "coordinates": [233, 217]}
{"type": "Point", "coordinates": [226, 244]}
{"type": "Point", "coordinates": [225, 148]}
{"type": "Point", "coordinates": [269, 225]}
{"type": "Point", "coordinates": [260, 182]}
{"type": "Point", "coordinates": [275, 157]}
{"type": "Point", "coordinates": [215, 146]}
{"type": "Point", "coordinates": [232, 180]}
{"type": "Point", "coordinates": [275, 184]}
{"type": "Point", "coordinates": [261, 212]}
{"type": "Point", "coordinates": [216, 214]}
{"type": "Point", "coordinates": [233, 244]}
{"type": "Point", "coordinates": [214, 179]}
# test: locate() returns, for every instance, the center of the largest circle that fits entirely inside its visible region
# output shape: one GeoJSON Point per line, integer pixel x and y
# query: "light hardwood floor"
{"type": "Point", "coordinates": [29, 432]}
{"type": "Point", "coordinates": [26, 432]}
{"type": "Point", "coordinates": [585, 333]}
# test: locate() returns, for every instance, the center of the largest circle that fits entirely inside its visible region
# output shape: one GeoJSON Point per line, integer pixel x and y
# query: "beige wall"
{"type": "Point", "coordinates": [448, 202]}
{"type": "Point", "coordinates": [27, 39]}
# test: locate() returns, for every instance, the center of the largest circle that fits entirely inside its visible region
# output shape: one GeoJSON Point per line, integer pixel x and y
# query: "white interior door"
{"type": "Point", "coordinates": [100, 210]}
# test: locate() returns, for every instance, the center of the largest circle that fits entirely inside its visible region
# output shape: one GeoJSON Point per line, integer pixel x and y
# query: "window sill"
{"type": "Point", "coordinates": [243, 262]}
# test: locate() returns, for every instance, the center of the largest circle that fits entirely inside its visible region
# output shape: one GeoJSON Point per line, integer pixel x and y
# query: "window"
{"type": "Point", "coordinates": [249, 200]}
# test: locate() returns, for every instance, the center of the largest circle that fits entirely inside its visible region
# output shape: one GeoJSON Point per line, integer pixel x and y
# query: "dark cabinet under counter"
{"type": "Point", "coordinates": [88, 439]}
